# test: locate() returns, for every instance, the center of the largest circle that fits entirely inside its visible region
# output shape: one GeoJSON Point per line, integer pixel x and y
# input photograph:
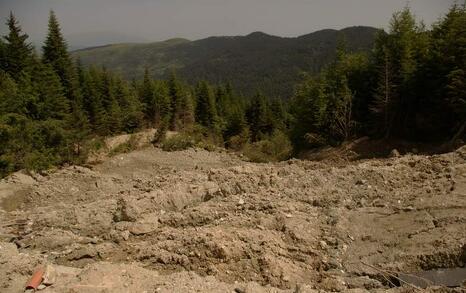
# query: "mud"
{"type": "Point", "coordinates": [198, 221]}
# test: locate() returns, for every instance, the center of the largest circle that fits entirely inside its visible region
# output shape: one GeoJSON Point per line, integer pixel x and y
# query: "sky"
{"type": "Point", "coordinates": [97, 22]}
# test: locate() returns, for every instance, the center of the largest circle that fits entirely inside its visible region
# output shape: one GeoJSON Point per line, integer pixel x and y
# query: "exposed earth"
{"type": "Point", "coordinates": [197, 221]}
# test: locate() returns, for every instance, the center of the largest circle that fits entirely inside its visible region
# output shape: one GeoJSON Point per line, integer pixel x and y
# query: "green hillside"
{"type": "Point", "coordinates": [272, 64]}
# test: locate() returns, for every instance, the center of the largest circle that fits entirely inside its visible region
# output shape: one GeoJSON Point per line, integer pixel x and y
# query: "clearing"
{"type": "Point", "coordinates": [198, 221]}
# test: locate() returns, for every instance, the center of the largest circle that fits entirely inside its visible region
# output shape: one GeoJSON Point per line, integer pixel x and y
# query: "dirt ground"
{"type": "Point", "coordinates": [197, 221]}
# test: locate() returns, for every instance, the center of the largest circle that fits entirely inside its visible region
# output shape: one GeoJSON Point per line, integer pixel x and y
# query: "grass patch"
{"type": "Point", "coordinates": [274, 148]}
{"type": "Point", "coordinates": [130, 145]}
{"type": "Point", "coordinates": [196, 137]}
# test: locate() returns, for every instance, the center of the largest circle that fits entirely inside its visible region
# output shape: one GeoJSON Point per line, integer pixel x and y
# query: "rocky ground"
{"type": "Point", "coordinates": [198, 221]}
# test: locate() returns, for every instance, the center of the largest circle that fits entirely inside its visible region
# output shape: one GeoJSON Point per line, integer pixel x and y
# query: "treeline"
{"type": "Point", "coordinates": [51, 106]}
{"type": "Point", "coordinates": [411, 86]}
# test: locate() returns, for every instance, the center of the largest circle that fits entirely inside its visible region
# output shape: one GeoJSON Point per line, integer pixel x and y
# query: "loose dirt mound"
{"type": "Point", "coordinates": [197, 221]}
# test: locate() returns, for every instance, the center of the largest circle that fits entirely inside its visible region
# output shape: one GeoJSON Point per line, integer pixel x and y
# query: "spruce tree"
{"type": "Point", "coordinates": [2, 55]}
{"type": "Point", "coordinates": [147, 98]}
{"type": "Point", "coordinates": [52, 104]}
{"type": "Point", "coordinates": [259, 117]}
{"type": "Point", "coordinates": [187, 116]}
{"type": "Point", "coordinates": [446, 72]}
{"type": "Point", "coordinates": [162, 103]}
{"type": "Point", "coordinates": [206, 112]}
{"type": "Point", "coordinates": [55, 53]}
{"type": "Point", "coordinates": [175, 93]}
{"type": "Point", "coordinates": [17, 55]}
{"type": "Point", "coordinates": [384, 97]}
{"type": "Point", "coordinates": [132, 114]}
{"type": "Point", "coordinates": [10, 101]}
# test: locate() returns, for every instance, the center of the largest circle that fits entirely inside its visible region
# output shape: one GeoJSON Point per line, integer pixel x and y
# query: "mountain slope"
{"type": "Point", "coordinates": [257, 61]}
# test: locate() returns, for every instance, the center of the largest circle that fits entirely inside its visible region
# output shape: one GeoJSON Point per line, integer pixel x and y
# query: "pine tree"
{"type": "Point", "coordinates": [308, 109]}
{"type": "Point", "coordinates": [404, 44]}
{"type": "Point", "coordinates": [52, 104]}
{"type": "Point", "coordinates": [78, 126]}
{"type": "Point", "coordinates": [10, 101]}
{"type": "Point", "coordinates": [162, 103]}
{"type": "Point", "coordinates": [206, 112]}
{"type": "Point", "coordinates": [147, 98]}
{"type": "Point", "coordinates": [2, 55]}
{"type": "Point", "coordinates": [384, 96]}
{"type": "Point", "coordinates": [17, 56]}
{"type": "Point", "coordinates": [176, 99]}
{"type": "Point", "coordinates": [55, 53]}
{"type": "Point", "coordinates": [92, 99]}
{"type": "Point", "coordinates": [338, 118]}
{"type": "Point", "coordinates": [187, 117]}
{"type": "Point", "coordinates": [446, 72]}
{"type": "Point", "coordinates": [132, 115]}
{"type": "Point", "coordinates": [259, 117]}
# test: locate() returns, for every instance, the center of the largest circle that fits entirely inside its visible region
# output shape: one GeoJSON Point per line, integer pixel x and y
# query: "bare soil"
{"type": "Point", "coordinates": [198, 221]}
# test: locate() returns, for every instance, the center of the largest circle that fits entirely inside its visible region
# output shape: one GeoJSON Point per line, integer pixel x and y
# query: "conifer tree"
{"type": "Point", "coordinates": [147, 98]}
{"type": "Point", "coordinates": [176, 99]}
{"type": "Point", "coordinates": [206, 112]}
{"type": "Point", "coordinates": [55, 53]}
{"type": "Point", "coordinates": [384, 96]}
{"type": "Point", "coordinates": [187, 116]}
{"type": "Point", "coordinates": [52, 104]}
{"type": "Point", "coordinates": [132, 115]}
{"type": "Point", "coordinates": [10, 101]}
{"type": "Point", "coordinates": [2, 55]}
{"type": "Point", "coordinates": [17, 55]}
{"type": "Point", "coordinates": [162, 103]}
{"type": "Point", "coordinates": [259, 117]}
{"type": "Point", "coordinates": [446, 72]}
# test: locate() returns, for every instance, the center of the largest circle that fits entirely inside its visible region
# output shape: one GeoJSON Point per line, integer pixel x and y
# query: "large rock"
{"type": "Point", "coordinates": [127, 210]}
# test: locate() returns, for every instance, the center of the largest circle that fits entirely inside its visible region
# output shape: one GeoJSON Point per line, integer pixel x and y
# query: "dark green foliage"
{"type": "Point", "coordinates": [411, 86]}
{"type": "Point", "coordinates": [196, 136]}
{"type": "Point", "coordinates": [49, 109]}
{"type": "Point", "coordinates": [206, 111]}
{"type": "Point", "coordinates": [260, 117]}
{"type": "Point", "coordinates": [254, 62]}
{"type": "Point", "coordinates": [181, 104]}
{"type": "Point", "coordinates": [273, 148]}
{"type": "Point", "coordinates": [17, 52]}
{"type": "Point", "coordinates": [50, 100]}
{"type": "Point", "coordinates": [55, 53]}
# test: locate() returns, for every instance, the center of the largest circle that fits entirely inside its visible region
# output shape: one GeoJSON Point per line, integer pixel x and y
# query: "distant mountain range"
{"type": "Point", "coordinates": [254, 62]}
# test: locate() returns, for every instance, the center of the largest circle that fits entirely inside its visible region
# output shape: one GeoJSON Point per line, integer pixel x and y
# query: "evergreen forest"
{"type": "Point", "coordinates": [411, 85]}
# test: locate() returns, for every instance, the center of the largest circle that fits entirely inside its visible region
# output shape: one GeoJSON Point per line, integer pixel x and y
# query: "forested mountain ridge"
{"type": "Point", "coordinates": [257, 61]}
{"type": "Point", "coordinates": [409, 86]}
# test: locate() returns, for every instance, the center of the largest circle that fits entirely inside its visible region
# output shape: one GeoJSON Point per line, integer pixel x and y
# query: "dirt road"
{"type": "Point", "coordinates": [198, 221]}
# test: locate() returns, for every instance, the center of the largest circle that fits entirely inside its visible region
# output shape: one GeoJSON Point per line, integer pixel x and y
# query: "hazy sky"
{"type": "Point", "coordinates": [154, 20]}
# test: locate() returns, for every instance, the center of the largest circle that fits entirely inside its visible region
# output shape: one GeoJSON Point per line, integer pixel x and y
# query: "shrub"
{"type": "Point", "coordinates": [126, 147]}
{"type": "Point", "coordinates": [237, 142]}
{"type": "Point", "coordinates": [178, 142]}
{"type": "Point", "coordinates": [196, 136]}
{"type": "Point", "coordinates": [274, 148]}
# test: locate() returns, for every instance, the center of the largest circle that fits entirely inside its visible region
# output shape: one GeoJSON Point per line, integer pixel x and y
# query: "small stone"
{"type": "Point", "coordinates": [50, 276]}
{"type": "Point", "coordinates": [394, 153]}
{"type": "Point", "coordinates": [241, 201]}
{"type": "Point", "coordinates": [125, 235]}
{"type": "Point", "coordinates": [323, 244]}
{"type": "Point", "coordinates": [41, 287]}
{"type": "Point", "coordinates": [333, 284]}
{"type": "Point", "coordinates": [361, 182]}
{"type": "Point", "coordinates": [288, 215]}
